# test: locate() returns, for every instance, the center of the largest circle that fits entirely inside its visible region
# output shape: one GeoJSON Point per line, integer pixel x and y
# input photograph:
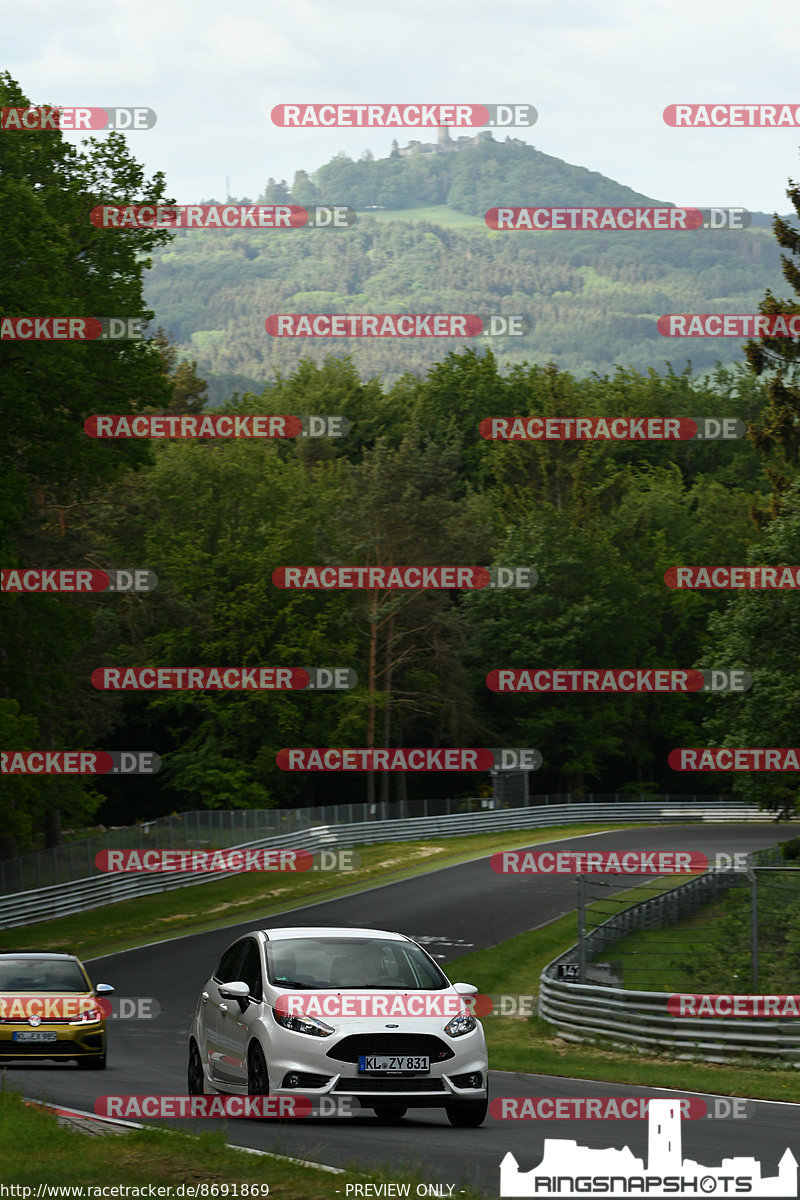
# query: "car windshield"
{"type": "Point", "coordinates": [352, 963]}
{"type": "Point", "coordinates": [41, 975]}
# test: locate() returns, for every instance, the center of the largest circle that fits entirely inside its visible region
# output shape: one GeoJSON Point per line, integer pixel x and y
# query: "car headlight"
{"type": "Point", "coordinates": [308, 1025]}
{"type": "Point", "coordinates": [461, 1025]}
{"type": "Point", "coordinates": [90, 1016]}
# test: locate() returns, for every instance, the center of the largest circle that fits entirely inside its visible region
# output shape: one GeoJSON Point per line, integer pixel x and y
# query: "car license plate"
{"type": "Point", "coordinates": [388, 1064]}
{"type": "Point", "coordinates": [34, 1035]}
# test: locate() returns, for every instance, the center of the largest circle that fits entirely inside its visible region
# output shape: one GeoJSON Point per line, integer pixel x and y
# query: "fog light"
{"type": "Point", "coordinates": [292, 1080]}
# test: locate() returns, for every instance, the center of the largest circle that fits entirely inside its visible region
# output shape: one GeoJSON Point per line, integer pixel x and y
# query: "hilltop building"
{"type": "Point", "coordinates": [444, 144]}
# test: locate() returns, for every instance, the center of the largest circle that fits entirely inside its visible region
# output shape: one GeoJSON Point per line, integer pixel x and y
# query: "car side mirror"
{"type": "Point", "coordinates": [466, 989]}
{"type": "Point", "coordinates": [103, 989]}
{"type": "Point", "coordinates": [238, 990]}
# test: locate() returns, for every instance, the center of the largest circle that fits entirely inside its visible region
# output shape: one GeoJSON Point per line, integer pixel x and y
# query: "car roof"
{"type": "Point", "coordinates": [329, 931]}
{"type": "Point", "coordinates": [38, 955]}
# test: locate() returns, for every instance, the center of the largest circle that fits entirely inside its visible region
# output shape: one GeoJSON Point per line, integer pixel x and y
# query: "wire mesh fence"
{"type": "Point", "coordinates": [725, 931]}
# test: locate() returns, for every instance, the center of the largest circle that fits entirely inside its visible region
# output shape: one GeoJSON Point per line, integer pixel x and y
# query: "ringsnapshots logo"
{"type": "Point", "coordinates": [732, 116]}
{"type": "Point", "coordinates": [227, 679]}
{"type": "Point", "coordinates": [729, 578]}
{"type": "Point", "coordinates": [615, 429]}
{"type": "Point", "coordinates": [402, 116]}
{"type": "Point", "coordinates": [222, 216]}
{"type": "Point", "coordinates": [222, 426]}
{"type": "Point", "coordinates": [225, 861]}
{"type": "Point", "coordinates": [76, 580]}
{"type": "Point", "coordinates": [426, 758]}
{"type": "Point", "coordinates": [740, 758]}
{"type": "Point", "coordinates": [614, 219]}
{"type": "Point", "coordinates": [63, 118]}
{"type": "Point", "coordinates": [597, 682]}
{"type": "Point", "coordinates": [396, 325]}
{"type": "Point", "coordinates": [79, 762]}
{"type": "Point", "coordinates": [351, 578]}
{"type": "Point", "coordinates": [567, 1169]}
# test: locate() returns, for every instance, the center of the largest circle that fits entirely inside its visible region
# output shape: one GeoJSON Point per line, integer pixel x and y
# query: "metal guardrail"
{"type": "Point", "coordinates": [94, 891]}
{"type": "Point", "coordinates": [226, 828]}
{"type": "Point", "coordinates": [587, 1011]}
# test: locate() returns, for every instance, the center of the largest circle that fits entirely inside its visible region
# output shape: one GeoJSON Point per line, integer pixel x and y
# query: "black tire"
{"type": "Point", "coordinates": [196, 1083]}
{"type": "Point", "coordinates": [96, 1063]}
{"type": "Point", "coordinates": [389, 1113]}
{"type": "Point", "coordinates": [467, 1114]}
{"type": "Point", "coordinates": [257, 1074]}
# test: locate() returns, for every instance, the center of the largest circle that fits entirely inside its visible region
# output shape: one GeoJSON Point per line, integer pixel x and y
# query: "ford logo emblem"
{"type": "Point", "coordinates": [392, 1026]}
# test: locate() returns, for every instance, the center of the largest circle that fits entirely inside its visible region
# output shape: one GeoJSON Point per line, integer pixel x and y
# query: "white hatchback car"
{"type": "Point", "coordinates": [241, 1043]}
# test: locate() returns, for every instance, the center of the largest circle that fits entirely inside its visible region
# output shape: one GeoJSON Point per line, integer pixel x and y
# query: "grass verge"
{"type": "Point", "coordinates": [253, 895]}
{"type": "Point", "coordinates": [531, 1045]}
{"type": "Point", "coordinates": [153, 1156]}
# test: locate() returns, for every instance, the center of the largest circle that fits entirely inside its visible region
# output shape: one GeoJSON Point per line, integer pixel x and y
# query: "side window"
{"type": "Point", "coordinates": [228, 969]}
{"type": "Point", "coordinates": [250, 969]}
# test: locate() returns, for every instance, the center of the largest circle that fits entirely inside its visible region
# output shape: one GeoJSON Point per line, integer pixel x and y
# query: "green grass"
{"type": "Point", "coordinates": [649, 957]}
{"type": "Point", "coordinates": [34, 1149]}
{"type": "Point", "coordinates": [254, 895]}
{"type": "Point", "coordinates": [434, 214]}
{"type": "Point", "coordinates": [531, 1044]}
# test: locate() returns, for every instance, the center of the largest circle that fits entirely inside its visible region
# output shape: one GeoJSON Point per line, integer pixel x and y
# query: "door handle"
{"type": "Point", "coordinates": [223, 1008]}
{"type": "Point", "coordinates": [205, 997]}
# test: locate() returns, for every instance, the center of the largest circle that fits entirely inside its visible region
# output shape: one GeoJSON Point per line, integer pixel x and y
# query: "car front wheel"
{"type": "Point", "coordinates": [467, 1114]}
{"type": "Point", "coordinates": [195, 1077]}
{"type": "Point", "coordinates": [257, 1076]}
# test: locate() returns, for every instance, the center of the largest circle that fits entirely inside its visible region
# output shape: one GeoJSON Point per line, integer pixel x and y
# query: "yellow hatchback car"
{"type": "Point", "coordinates": [50, 1010]}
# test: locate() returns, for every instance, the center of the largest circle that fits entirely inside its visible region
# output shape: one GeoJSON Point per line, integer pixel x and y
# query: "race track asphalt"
{"type": "Point", "coordinates": [451, 911]}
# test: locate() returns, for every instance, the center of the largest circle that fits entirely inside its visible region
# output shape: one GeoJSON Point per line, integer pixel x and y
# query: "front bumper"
{"type": "Point", "coordinates": [72, 1042]}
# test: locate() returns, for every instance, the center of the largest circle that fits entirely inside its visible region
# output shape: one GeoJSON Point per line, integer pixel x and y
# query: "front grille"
{"type": "Point", "coordinates": [42, 1049]}
{"type": "Point", "coordinates": [350, 1048]}
{"type": "Point", "coordinates": [398, 1084]}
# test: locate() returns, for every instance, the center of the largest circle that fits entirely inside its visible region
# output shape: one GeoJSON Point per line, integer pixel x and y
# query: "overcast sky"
{"type": "Point", "coordinates": [599, 72]}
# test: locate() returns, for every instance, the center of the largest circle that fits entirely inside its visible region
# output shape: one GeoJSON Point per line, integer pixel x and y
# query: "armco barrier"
{"type": "Point", "coordinates": [99, 889]}
{"type": "Point", "coordinates": [587, 1011]}
{"type": "Point", "coordinates": [584, 1011]}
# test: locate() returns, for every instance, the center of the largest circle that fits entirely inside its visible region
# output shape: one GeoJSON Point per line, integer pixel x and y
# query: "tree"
{"type": "Point", "coordinates": [777, 433]}
{"type": "Point", "coordinates": [54, 262]}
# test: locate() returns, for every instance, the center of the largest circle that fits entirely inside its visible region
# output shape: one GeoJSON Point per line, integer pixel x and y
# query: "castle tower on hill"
{"type": "Point", "coordinates": [444, 144]}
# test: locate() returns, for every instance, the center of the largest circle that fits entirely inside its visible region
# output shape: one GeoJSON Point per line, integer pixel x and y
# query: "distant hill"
{"type": "Point", "coordinates": [592, 298]}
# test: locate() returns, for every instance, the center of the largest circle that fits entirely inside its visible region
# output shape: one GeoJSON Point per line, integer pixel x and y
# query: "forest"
{"type": "Point", "coordinates": [411, 482]}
